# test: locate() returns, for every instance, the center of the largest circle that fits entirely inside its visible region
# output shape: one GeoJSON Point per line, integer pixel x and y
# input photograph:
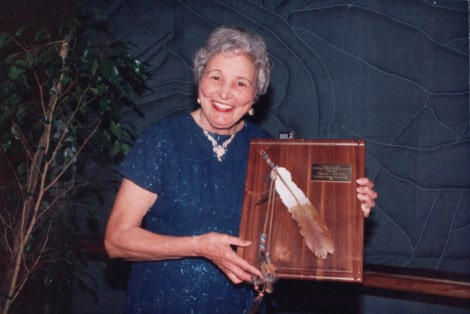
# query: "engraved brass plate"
{"type": "Point", "coordinates": [331, 172]}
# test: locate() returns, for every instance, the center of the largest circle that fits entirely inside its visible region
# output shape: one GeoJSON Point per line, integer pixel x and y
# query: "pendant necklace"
{"type": "Point", "coordinates": [219, 149]}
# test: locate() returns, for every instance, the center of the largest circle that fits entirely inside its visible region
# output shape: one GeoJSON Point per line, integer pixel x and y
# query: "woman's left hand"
{"type": "Point", "coordinates": [366, 195]}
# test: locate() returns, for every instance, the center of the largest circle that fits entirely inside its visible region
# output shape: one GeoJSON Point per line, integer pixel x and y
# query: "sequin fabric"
{"type": "Point", "coordinates": [196, 194]}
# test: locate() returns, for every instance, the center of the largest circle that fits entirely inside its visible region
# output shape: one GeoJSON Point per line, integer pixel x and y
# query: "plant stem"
{"type": "Point", "coordinates": [29, 216]}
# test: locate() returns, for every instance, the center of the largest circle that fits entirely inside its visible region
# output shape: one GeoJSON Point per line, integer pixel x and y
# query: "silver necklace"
{"type": "Point", "coordinates": [221, 149]}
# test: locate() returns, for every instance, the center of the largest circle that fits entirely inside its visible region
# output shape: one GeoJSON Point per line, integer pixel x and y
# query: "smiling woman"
{"type": "Point", "coordinates": [176, 182]}
{"type": "Point", "coordinates": [184, 183]}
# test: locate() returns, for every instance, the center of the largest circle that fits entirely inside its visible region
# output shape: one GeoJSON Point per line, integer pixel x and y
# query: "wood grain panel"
{"type": "Point", "coordinates": [335, 200]}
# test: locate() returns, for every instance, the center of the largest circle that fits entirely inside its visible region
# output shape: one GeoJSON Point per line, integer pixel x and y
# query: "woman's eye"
{"type": "Point", "coordinates": [241, 84]}
{"type": "Point", "coordinates": [216, 78]}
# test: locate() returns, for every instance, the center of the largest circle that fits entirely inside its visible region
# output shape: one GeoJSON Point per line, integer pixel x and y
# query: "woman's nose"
{"type": "Point", "coordinates": [225, 91]}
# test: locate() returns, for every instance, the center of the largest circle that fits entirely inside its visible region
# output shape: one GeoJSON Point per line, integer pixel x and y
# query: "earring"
{"type": "Point", "coordinates": [198, 101]}
{"type": "Point", "coordinates": [251, 111]}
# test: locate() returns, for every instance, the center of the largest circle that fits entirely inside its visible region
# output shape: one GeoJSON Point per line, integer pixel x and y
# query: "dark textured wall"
{"type": "Point", "coordinates": [394, 73]}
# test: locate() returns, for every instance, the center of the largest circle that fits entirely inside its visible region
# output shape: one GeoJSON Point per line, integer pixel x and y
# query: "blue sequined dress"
{"type": "Point", "coordinates": [196, 194]}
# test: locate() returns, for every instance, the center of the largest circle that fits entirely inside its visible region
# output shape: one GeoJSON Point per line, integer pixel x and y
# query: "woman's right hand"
{"type": "Point", "coordinates": [218, 248]}
{"type": "Point", "coordinates": [124, 238]}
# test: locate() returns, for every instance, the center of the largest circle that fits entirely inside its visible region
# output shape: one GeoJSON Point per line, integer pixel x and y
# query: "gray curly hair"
{"type": "Point", "coordinates": [233, 40]}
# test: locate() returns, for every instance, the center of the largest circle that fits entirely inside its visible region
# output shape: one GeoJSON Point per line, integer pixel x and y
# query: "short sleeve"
{"type": "Point", "coordinates": [144, 163]}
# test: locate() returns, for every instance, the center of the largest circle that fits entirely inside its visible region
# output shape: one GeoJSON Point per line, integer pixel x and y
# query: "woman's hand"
{"type": "Point", "coordinates": [217, 247]}
{"type": "Point", "coordinates": [366, 195]}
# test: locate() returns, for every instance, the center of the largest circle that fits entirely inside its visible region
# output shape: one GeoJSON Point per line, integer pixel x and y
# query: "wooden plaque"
{"type": "Point", "coordinates": [326, 171]}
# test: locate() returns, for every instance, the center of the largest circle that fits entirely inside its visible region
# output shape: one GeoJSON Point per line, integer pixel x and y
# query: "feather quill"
{"type": "Point", "coordinates": [312, 226]}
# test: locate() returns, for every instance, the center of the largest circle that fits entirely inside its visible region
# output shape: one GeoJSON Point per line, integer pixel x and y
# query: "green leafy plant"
{"type": "Point", "coordinates": [60, 98]}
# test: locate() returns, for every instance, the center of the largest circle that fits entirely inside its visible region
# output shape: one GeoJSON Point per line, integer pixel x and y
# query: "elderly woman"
{"type": "Point", "coordinates": [177, 212]}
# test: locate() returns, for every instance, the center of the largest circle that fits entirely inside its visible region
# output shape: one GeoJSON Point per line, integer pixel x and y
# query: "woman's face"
{"type": "Point", "coordinates": [226, 92]}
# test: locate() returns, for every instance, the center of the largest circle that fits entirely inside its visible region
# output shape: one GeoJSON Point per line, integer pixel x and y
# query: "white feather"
{"type": "Point", "coordinates": [312, 226]}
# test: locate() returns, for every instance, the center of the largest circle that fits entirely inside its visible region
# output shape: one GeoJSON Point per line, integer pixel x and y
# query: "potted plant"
{"type": "Point", "coordinates": [60, 98]}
